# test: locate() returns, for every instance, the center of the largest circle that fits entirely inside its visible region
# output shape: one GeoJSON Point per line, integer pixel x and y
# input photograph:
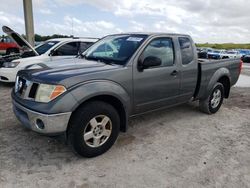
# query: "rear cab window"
{"type": "Point", "coordinates": [187, 54]}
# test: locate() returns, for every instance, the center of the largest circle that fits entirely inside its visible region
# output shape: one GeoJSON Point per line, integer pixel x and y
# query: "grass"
{"type": "Point", "coordinates": [225, 46]}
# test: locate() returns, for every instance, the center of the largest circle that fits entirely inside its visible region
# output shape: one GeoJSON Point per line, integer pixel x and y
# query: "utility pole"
{"type": "Point", "coordinates": [29, 24]}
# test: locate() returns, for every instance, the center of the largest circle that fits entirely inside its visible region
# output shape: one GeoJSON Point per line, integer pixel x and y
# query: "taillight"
{"type": "Point", "coordinates": [241, 64]}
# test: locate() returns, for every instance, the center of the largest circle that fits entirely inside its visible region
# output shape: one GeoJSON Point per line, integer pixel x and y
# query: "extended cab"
{"type": "Point", "coordinates": [90, 99]}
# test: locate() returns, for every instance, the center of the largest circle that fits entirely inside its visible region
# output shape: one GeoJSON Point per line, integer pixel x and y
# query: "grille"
{"type": "Point", "coordinates": [25, 89]}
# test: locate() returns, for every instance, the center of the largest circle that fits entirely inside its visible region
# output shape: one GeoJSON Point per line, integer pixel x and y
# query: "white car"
{"type": "Point", "coordinates": [54, 49]}
{"type": "Point", "coordinates": [230, 54]}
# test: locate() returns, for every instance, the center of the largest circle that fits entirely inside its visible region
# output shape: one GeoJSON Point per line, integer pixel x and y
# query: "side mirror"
{"type": "Point", "coordinates": [52, 52]}
{"type": "Point", "coordinates": [148, 62]}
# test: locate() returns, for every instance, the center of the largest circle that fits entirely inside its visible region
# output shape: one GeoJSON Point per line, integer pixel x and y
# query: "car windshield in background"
{"type": "Point", "coordinates": [41, 49]}
{"type": "Point", "coordinates": [230, 52]}
{"type": "Point", "coordinates": [216, 51]}
{"type": "Point", "coordinates": [115, 49]}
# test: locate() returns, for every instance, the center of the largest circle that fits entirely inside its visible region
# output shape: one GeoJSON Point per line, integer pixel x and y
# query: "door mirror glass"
{"type": "Point", "coordinates": [150, 61]}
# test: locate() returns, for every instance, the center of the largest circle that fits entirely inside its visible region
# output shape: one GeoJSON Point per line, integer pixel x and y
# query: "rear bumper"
{"type": "Point", "coordinates": [47, 124]}
{"type": "Point", "coordinates": [8, 74]}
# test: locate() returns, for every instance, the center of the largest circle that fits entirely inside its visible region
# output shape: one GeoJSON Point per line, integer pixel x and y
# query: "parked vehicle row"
{"type": "Point", "coordinates": [215, 54]}
{"type": "Point", "coordinates": [209, 53]}
{"type": "Point", "coordinates": [246, 59]}
{"type": "Point", "coordinates": [89, 99]}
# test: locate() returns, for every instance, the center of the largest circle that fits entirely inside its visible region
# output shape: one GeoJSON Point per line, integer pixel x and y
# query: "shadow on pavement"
{"type": "Point", "coordinates": [4, 84]}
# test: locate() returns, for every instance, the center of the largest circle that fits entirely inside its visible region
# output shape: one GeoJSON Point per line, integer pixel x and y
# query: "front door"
{"type": "Point", "coordinates": [68, 50]}
{"type": "Point", "coordinates": [157, 87]}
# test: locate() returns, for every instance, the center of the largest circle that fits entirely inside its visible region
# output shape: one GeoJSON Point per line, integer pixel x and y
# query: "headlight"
{"type": "Point", "coordinates": [46, 93]}
{"type": "Point", "coordinates": [11, 64]}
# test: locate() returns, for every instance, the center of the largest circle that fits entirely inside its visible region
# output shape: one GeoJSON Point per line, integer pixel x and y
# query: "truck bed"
{"type": "Point", "coordinates": [207, 70]}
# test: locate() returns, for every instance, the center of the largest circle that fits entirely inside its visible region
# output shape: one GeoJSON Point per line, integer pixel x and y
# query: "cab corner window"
{"type": "Point", "coordinates": [187, 55]}
{"type": "Point", "coordinates": [160, 48]}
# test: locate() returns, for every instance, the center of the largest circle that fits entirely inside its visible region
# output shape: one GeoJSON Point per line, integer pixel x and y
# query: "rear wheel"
{"type": "Point", "coordinates": [93, 128]}
{"type": "Point", "coordinates": [214, 101]}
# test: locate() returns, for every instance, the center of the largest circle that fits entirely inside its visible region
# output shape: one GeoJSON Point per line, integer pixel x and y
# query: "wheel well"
{"type": "Point", "coordinates": [116, 103]}
{"type": "Point", "coordinates": [226, 83]}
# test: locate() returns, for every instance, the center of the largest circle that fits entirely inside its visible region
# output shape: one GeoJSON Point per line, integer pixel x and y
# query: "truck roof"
{"type": "Point", "coordinates": [153, 34]}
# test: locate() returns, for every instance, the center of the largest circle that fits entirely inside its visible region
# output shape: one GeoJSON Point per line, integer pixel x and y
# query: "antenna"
{"type": "Point", "coordinates": [72, 27]}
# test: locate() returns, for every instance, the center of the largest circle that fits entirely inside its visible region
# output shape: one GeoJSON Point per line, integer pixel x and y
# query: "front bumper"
{"type": "Point", "coordinates": [8, 74]}
{"type": "Point", "coordinates": [48, 124]}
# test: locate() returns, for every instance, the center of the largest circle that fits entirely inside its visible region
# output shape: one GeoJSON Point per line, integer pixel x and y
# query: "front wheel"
{"type": "Point", "coordinates": [93, 128]}
{"type": "Point", "coordinates": [214, 101]}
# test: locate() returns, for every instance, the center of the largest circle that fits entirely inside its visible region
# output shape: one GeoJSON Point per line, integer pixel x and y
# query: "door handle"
{"type": "Point", "coordinates": [174, 73]}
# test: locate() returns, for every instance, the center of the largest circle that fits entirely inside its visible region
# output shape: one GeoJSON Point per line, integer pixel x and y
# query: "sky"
{"type": "Point", "coordinates": [212, 21]}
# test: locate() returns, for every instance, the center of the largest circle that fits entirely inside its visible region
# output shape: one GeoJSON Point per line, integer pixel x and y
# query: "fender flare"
{"type": "Point", "coordinates": [98, 88]}
{"type": "Point", "coordinates": [216, 76]}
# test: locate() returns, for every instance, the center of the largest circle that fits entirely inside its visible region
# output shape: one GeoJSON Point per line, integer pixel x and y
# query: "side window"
{"type": "Point", "coordinates": [84, 46]}
{"type": "Point", "coordinates": [186, 50]}
{"type": "Point", "coordinates": [161, 48]}
{"type": "Point", "coordinates": [70, 48]}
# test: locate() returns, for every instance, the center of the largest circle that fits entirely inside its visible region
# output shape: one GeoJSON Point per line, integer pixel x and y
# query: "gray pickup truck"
{"type": "Point", "coordinates": [89, 99]}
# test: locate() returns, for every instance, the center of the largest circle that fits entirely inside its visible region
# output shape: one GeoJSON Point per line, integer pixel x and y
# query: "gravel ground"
{"type": "Point", "coordinates": [178, 147]}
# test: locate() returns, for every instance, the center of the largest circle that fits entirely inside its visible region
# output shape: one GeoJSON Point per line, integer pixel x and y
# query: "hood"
{"type": "Point", "coordinates": [56, 63]}
{"type": "Point", "coordinates": [56, 72]}
{"type": "Point", "coordinates": [20, 41]}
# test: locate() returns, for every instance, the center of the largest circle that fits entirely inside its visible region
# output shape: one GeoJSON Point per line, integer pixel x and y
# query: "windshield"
{"type": "Point", "coordinates": [216, 51]}
{"type": "Point", "coordinates": [41, 49]}
{"type": "Point", "coordinates": [230, 52]}
{"type": "Point", "coordinates": [115, 49]}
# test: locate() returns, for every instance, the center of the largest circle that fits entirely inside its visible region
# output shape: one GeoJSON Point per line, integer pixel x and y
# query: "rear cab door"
{"type": "Point", "coordinates": [188, 68]}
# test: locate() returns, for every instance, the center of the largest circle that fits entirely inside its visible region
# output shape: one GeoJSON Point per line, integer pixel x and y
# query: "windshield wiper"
{"type": "Point", "coordinates": [107, 61]}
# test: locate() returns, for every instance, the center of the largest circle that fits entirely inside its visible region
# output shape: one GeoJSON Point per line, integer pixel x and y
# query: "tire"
{"type": "Point", "coordinates": [87, 120]}
{"type": "Point", "coordinates": [212, 104]}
